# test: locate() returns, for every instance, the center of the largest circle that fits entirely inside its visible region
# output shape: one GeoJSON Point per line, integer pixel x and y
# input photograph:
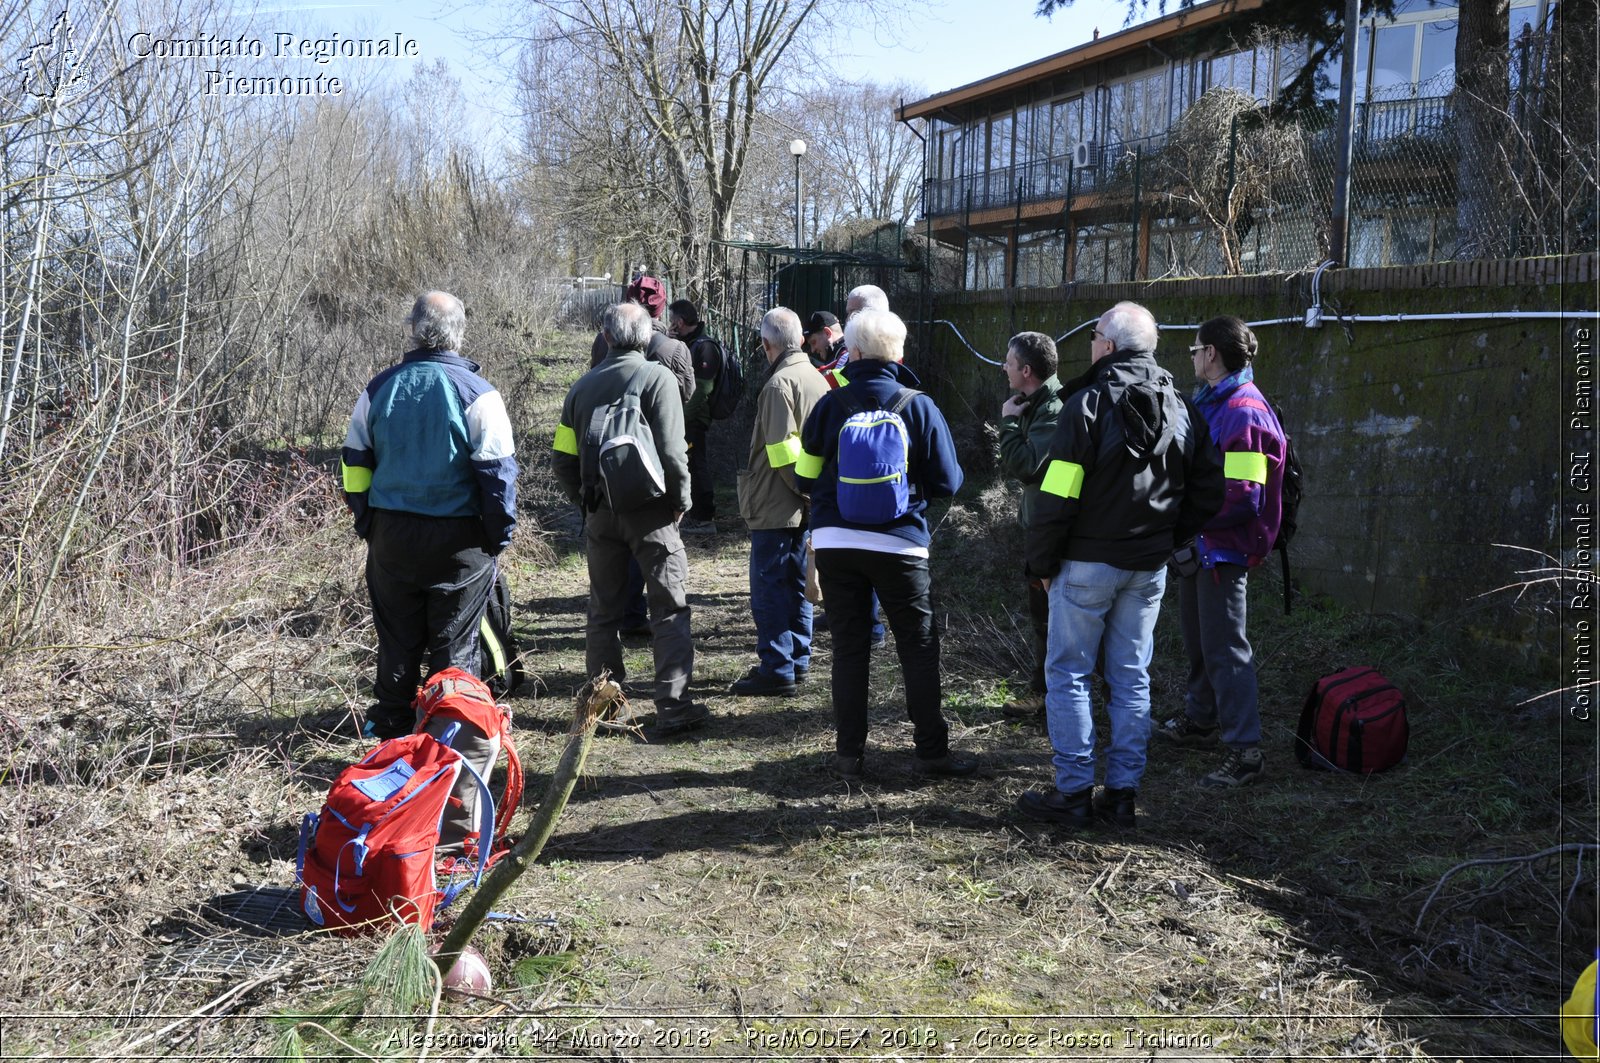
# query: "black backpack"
{"type": "Point", "coordinates": [1293, 492]}
{"type": "Point", "coordinates": [729, 388]}
{"type": "Point", "coordinates": [499, 656]}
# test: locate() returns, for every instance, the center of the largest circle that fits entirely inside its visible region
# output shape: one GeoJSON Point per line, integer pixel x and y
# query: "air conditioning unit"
{"type": "Point", "coordinates": [1083, 154]}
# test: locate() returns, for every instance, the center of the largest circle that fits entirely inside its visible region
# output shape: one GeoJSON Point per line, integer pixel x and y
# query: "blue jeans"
{"type": "Point", "coordinates": [1090, 603]}
{"type": "Point", "coordinates": [778, 600]}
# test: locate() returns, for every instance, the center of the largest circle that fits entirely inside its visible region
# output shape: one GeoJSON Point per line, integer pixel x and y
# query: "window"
{"type": "Point", "coordinates": [1392, 54]}
{"type": "Point", "coordinates": [1103, 253]}
{"type": "Point", "coordinates": [986, 265]}
{"type": "Point", "coordinates": [1000, 142]}
{"type": "Point", "coordinates": [1039, 260]}
{"type": "Point", "coordinates": [1436, 67]}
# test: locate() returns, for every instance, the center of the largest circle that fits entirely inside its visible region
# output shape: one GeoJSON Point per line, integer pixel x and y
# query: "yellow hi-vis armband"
{"type": "Point", "coordinates": [1063, 478]}
{"type": "Point", "coordinates": [566, 440]}
{"type": "Point", "coordinates": [784, 453]}
{"type": "Point", "coordinates": [1245, 465]}
{"type": "Point", "coordinates": [357, 478]}
{"type": "Point", "coordinates": [808, 465]}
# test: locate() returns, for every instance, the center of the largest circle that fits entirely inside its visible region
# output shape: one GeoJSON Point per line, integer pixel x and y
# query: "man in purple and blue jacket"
{"type": "Point", "coordinates": [856, 558]}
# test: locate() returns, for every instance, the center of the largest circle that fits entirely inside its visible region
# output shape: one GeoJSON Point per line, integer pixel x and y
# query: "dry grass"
{"type": "Point", "coordinates": [726, 895]}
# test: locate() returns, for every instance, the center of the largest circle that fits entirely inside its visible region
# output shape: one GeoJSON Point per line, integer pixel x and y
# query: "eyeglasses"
{"type": "Point", "coordinates": [1198, 347]}
{"type": "Point", "coordinates": [1095, 335]}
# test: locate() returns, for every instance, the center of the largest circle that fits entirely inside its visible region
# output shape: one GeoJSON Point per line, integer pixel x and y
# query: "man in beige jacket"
{"type": "Point", "coordinates": [775, 511]}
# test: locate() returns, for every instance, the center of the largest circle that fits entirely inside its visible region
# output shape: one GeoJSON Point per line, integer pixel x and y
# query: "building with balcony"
{"type": "Point", "coordinates": [1097, 163]}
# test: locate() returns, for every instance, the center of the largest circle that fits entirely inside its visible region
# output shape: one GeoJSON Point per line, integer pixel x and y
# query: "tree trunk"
{"type": "Point", "coordinates": [1481, 98]}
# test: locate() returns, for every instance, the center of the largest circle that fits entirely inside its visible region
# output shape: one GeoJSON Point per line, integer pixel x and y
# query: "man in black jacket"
{"type": "Point", "coordinates": [1131, 473]}
{"type": "Point", "coordinates": [705, 354]}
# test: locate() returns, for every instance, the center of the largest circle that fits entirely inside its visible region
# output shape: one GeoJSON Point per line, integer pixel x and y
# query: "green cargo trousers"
{"type": "Point", "coordinates": [650, 536]}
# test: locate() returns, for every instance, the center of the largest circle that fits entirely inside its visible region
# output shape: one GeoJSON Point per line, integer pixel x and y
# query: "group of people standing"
{"type": "Point", "coordinates": [1124, 479]}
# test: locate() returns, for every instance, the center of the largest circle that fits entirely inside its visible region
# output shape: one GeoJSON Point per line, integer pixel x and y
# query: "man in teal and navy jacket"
{"type": "Point", "coordinates": [430, 473]}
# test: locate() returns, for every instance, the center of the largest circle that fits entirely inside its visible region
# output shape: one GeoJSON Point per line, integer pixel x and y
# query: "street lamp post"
{"type": "Point", "coordinates": [797, 148]}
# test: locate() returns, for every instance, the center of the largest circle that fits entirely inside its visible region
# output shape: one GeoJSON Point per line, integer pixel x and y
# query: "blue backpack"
{"type": "Point", "coordinates": [874, 454]}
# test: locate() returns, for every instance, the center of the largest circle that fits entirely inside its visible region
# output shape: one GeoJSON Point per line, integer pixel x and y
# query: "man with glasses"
{"type": "Point", "coordinates": [1130, 473]}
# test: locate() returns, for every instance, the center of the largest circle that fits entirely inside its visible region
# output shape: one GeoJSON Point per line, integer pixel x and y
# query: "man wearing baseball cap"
{"type": "Point", "coordinates": [824, 340]}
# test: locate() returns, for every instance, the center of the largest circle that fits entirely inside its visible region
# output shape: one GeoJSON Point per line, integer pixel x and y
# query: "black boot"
{"type": "Point", "coordinates": [1065, 810]}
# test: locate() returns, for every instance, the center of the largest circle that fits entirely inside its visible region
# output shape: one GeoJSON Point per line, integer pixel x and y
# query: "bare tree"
{"type": "Point", "coordinates": [869, 164]}
{"type": "Point", "coordinates": [1221, 163]}
{"type": "Point", "coordinates": [696, 77]}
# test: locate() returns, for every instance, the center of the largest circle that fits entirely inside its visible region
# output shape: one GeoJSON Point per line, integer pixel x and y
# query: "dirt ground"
{"type": "Point", "coordinates": [725, 896]}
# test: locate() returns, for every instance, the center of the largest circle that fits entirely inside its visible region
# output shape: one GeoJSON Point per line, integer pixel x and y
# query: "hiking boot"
{"type": "Point", "coordinates": [691, 717]}
{"type": "Point", "coordinates": [1181, 730]}
{"type": "Point", "coordinates": [1114, 807]}
{"type": "Point", "coordinates": [757, 683]}
{"type": "Point", "coordinates": [1243, 767]}
{"type": "Point", "coordinates": [801, 674]}
{"type": "Point", "coordinates": [1074, 810]}
{"type": "Point", "coordinates": [690, 526]}
{"type": "Point", "coordinates": [1024, 706]}
{"type": "Point", "coordinates": [382, 725]}
{"type": "Point", "coordinates": [848, 767]}
{"type": "Point", "coordinates": [949, 766]}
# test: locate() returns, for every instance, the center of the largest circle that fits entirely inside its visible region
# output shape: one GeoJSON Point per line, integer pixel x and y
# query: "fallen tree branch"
{"type": "Point", "coordinates": [1527, 858]}
{"type": "Point", "coordinates": [596, 698]}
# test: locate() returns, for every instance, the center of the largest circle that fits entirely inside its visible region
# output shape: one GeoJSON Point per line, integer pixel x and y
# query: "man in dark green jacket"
{"type": "Point", "coordinates": [1027, 424]}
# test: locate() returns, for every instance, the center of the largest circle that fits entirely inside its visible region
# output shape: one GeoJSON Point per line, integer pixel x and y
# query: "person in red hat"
{"type": "Point", "coordinates": [651, 294]}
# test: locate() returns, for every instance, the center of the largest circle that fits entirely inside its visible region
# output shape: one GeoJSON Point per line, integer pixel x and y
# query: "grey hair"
{"type": "Point", "coordinates": [438, 321]}
{"type": "Point", "coordinates": [1130, 327]}
{"type": "Point", "coordinates": [780, 327]}
{"type": "Point", "coordinates": [870, 297]}
{"type": "Point", "coordinates": [876, 334]}
{"type": "Point", "coordinates": [627, 326]}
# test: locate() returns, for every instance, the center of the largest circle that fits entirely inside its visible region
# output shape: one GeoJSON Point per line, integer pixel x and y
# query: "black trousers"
{"type": "Point", "coordinates": [1039, 622]}
{"type": "Point", "coordinates": [702, 491]}
{"type": "Point", "coordinates": [430, 579]}
{"type": "Point", "coordinates": [904, 587]}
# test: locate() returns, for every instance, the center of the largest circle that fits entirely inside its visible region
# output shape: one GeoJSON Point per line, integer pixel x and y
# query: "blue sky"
{"type": "Point", "coordinates": [938, 45]}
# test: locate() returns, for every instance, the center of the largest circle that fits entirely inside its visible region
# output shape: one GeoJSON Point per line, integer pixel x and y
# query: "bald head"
{"type": "Point", "coordinates": [1129, 327]}
{"type": "Point", "coordinates": [865, 297]}
{"type": "Point", "coordinates": [780, 332]}
{"type": "Point", "coordinates": [438, 321]}
{"type": "Point", "coordinates": [627, 326]}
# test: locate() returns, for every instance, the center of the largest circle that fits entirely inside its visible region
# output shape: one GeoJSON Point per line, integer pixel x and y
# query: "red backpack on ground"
{"type": "Point", "coordinates": [1353, 720]}
{"type": "Point", "coordinates": [457, 708]}
{"type": "Point", "coordinates": [369, 853]}
{"type": "Point", "coordinates": [374, 850]}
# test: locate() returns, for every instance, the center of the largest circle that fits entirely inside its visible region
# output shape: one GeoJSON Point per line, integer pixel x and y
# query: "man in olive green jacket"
{"type": "Point", "coordinates": [1027, 424]}
{"type": "Point", "coordinates": [647, 533]}
{"type": "Point", "coordinates": [775, 510]}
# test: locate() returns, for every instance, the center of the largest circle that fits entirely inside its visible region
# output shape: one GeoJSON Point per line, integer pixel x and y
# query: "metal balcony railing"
{"type": "Point", "coordinates": [1109, 164]}
{"type": "Point", "coordinates": [1036, 180]}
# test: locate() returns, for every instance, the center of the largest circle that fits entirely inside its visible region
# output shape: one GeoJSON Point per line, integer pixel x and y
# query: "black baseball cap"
{"type": "Point", "coordinates": [819, 320]}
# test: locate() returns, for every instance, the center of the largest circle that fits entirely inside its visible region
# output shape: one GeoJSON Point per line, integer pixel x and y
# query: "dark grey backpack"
{"type": "Point", "coordinates": [619, 464]}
